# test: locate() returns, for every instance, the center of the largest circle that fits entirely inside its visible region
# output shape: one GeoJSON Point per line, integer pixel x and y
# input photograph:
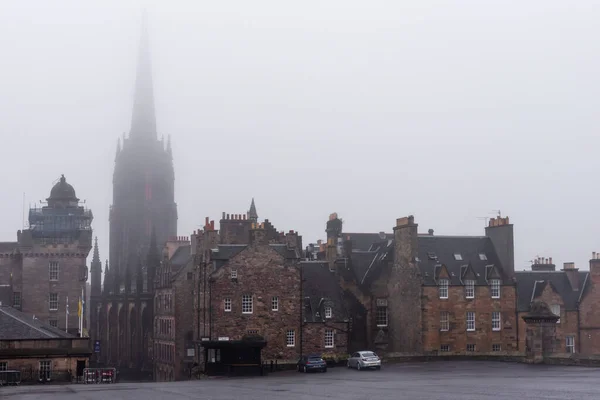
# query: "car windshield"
{"type": "Point", "coordinates": [314, 358]}
{"type": "Point", "coordinates": [369, 354]}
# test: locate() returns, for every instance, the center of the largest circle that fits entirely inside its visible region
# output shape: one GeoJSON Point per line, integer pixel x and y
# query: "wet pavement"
{"type": "Point", "coordinates": [465, 380]}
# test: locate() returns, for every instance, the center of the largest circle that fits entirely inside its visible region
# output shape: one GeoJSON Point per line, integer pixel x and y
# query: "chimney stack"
{"type": "Point", "coordinates": [500, 232]}
{"type": "Point", "coordinates": [572, 274]}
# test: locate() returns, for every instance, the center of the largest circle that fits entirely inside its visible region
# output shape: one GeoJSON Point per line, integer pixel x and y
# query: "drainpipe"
{"type": "Point", "coordinates": [517, 316]}
{"type": "Point", "coordinates": [210, 310]}
{"type": "Point", "coordinates": [578, 329]}
{"type": "Point", "coordinates": [301, 309]}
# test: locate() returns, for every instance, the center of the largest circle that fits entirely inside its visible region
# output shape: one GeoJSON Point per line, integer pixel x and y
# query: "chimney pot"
{"type": "Point", "coordinates": [593, 255]}
{"type": "Point", "coordinates": [223, 215]}
{"type": "Point", "coordinates": [227, 216]}
{"type": "Point", "coordinates": [550, 260]}
{"type": "Point", "coordinates": [430, 232]}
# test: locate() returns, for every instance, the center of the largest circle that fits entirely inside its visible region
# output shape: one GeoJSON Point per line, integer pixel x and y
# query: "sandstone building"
{"type": "Point", "coordinates": [254, 298]}
{"type": "Point", "coordinates": [428, 294]}
{"type": "Point", "coordinates": [40, 352]}
{"type": "Point", "coordinates": [44, 272]}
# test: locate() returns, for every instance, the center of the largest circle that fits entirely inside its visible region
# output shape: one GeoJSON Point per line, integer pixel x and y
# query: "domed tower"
{"type": "Point", "coordinates": [54, 251]}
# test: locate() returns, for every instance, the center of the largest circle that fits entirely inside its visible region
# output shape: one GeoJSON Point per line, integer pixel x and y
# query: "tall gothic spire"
{"type": "Point", "coordinates": [96, 257]}
{"type": "Point", "coordinates": [143, 119]}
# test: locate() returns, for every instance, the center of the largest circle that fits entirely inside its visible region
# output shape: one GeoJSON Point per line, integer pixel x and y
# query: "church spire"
{"type": "Point", "coordinates": [143, 119]}
{"type": "Point", "coordinates": [252, 214]}
{"type": "Point", "coordinates": [96, 257]}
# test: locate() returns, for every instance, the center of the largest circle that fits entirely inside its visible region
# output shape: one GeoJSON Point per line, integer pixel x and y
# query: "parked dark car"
{"type": "Point", "coordinates": [312, 363]}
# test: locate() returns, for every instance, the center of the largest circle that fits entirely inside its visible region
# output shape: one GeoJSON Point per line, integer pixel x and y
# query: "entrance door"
{"type": "Point", "coordinates": [80, 367]}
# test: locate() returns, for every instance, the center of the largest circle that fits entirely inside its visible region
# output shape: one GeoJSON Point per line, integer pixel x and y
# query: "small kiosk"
{"type": "Point", "coordinates": [234, 357]}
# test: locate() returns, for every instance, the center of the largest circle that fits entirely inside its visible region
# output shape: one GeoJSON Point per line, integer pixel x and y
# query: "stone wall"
{"type": "Point", "coordinates": [457, 305]}
{"type": "Point", "coordinates": [262, 273]}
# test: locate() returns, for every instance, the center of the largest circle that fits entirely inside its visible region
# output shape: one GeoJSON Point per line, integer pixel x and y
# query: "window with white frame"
{"type": "Point", "coordinates": [443, 288]}
{"type": "Point", "coordinates": [470, 321]}
{"type": "Point", "coordinates": [444, 321]}
{"type": "Point", "coordinates": [53, 323]}
{"type": "Point", "coordinates": [275, 303]}
{"type": "Point", "coordinates": [470, 347]}
{"type": "Point", "coordinates": [227, 304]}
{"type": "Point", "coordinates": [53, 301]}
{"type": "Point", "coordinates": [381, 313]}
{"type": "Point", "coordinates": [328, 312]}
{"type": "Point", "coordinates": [470, 289]}
{"type": "Point", "coordinates": [495, 288]}
{"type": "Point", "coordinates": [53, 270]}
{"type": "Point", "coordinates": [570, 344]}
{"type": "Point", "coordinates": [555, 308]}
{"type": "Point", "coordinates": [496, 347]}
{"type": "Point", "coordinates": [482, 257]}
{"type": "Point", "coordinates": [458, 256]}
{"type": "Point", "coordinates": [496, 321]}
{"type": "Point", "coordinates": [290, 338]}
{"type": "Point", "coordinates": [247, 304]}
{"type": "Point", "coordinates": [234, 274]}
{"type": "Point", "coordinates": [445, 348]}
{"type": "Point", "coordinates": [3, 366]}
{"type": "Point", "coordinates": [328, 338]}
{"type": "Point", "coordinates": [45, 370]}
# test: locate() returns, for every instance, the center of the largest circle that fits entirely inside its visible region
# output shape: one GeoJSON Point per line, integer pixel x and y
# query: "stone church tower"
{"type": "Point", "coordinates": [143, 215]}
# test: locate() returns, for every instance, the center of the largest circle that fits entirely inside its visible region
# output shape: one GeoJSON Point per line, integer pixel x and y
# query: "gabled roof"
{"type": "Point", "coordinates": [441, 250]}
{"type": "Point", "coordinates": [321, 289]}
{"type": "Point", "coordinates": [531, 284]}
{"type": "Point", "coordinates": [224, 252]}
{"type": "Point", "coordinates": [180, 258]}
{"type": "Point", "coordinates": [16, 325]}
{"type": "Point", "coordinates": [363, 241]}
{"type": "Point", "coordinates": [432, 253]}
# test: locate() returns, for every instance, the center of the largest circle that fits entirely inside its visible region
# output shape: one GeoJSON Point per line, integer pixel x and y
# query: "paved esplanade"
{"type": "Point", "coordinates": [437, 380]}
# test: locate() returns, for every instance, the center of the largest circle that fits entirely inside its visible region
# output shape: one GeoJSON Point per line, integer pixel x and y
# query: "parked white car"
{"type": "Point", "coordinates": [364, 359]}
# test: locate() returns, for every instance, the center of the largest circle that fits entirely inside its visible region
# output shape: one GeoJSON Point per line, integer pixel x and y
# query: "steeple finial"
{"type": "Point", "coordinates": [252, 214]}
{"type": "Point", "coordinates": [143, 120]}
{"type": "Point", "coordinates": [96, 257]}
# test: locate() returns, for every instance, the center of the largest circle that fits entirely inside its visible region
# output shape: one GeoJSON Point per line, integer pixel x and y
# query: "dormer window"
{"type": "Point", "coordinates": [482, 257]}
{"type": "Point", "coordinates": [328, 312]}
{"type": "Point", "coordinates": [458, 256]}
{"type": "Point", "coordinates": [234, 274]}
{"type": "Point", "coordinates": [431, 256]}
{"type": "Point", "coordinates": [443, 289]}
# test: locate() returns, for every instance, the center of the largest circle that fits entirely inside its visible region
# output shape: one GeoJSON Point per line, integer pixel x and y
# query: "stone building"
{"type": "Point", "coordinates": [428, 294]}
{"type": "Point", "coordinates": [142, 217]}
{"type": "Point", "coordinates": [243, 287]}
{"type": "Point", "coordinates": [561, 291]}
{"type": "Point", "coordinates": [173, 306]}
{"type": "Point", "coordinates": [39, 351]}
{"type": "Point", "coordinates": [45, 270]}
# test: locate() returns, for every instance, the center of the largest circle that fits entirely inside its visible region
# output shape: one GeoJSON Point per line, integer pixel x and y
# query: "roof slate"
{"type": "Point", "coordinates": [469, 248]}
{"type": "Point", "coordinates": [366, 264]}
{"type": "Point", "coordinates": [17, 325]}
{"type": "Point", "coordinates": [363, 241]}
{"type": "Point", "coordinates": [528, 290]}
{"type": "Point", "coordinates": [320, 288]}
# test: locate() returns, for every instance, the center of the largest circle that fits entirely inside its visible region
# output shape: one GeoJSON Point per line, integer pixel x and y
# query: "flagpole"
{"type": "Point", "coordinates": [67, 316]}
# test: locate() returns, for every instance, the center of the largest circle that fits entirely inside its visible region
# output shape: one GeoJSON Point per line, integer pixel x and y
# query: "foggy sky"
{"type": "Point", "coordinates": [447, 110]}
